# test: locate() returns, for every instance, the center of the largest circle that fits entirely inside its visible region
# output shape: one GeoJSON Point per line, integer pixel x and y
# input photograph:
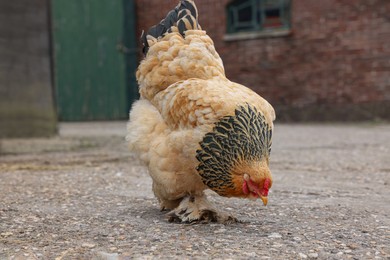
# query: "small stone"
{"type": "Point", "coordinates": [275, 235]}
{"type": "Point", "coordinates": [297, 238]}
{"type": "Point", "coordinates": [302, 256]}
{"type": "Point", "coordinates": [353, 246]}
{"type": "Point", "coordinates": [221, 230]}
{"type": "Point", "coordinates": [277, 245]}
{"type": "Point", "coordinates": [313, 255]}
{"type": "Point", "coordinates": [6, 234]}
{"type": "Point", "coordinates": [88, 245]}
{"type": "Point", "coordinates": [108, 256]}
{"type": "Point", "coordinates": [383, 227]}
{"type": "Point", "coordinates": [250, 254]}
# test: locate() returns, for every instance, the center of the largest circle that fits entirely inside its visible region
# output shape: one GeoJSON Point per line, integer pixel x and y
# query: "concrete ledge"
{"type": "Point", "coordinates": [258, 34]}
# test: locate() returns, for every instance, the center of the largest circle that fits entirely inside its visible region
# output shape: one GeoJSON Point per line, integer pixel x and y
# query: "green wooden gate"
{"type": "Point", "coordinates": [95, 58]}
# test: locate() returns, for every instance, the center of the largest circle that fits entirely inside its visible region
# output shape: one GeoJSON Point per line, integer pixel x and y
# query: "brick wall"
{"type": "Point", "coordinates": [335, 64]}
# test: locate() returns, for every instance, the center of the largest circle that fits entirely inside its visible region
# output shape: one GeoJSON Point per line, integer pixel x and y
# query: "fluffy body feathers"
{"type": "Point", "coordinates": [192, 127]}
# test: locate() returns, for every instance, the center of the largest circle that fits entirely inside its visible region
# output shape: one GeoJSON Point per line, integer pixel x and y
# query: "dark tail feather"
{"type": "Point", "coordinates": [184, 16]}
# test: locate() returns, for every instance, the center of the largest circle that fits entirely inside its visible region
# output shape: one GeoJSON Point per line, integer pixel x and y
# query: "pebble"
{"type": "Point", "coordinates": [250, 254]}
{"type": "Point", "coordinates": [353, 246]}
{"type": "Point", "coordinates": [302, 256]}
{"type": "Point", "coordinates": [297, 238]}
{"type": "Point", "coordinates": [313, 255]}
{"type": "Point", "coordinates": [6, 234]}
{"type": "Point", "coordinates": [108, 256]}
{"type": "Point", "coordinates": [277, 245]}
{"type": "Point", "coordinates": [88, 245]}
{"type": "Point", "coordinates": [383, 227]}
{"type": "Point", "coordinates": [221, 230]}
{"type": "Point", "coordinates": [275, 235]}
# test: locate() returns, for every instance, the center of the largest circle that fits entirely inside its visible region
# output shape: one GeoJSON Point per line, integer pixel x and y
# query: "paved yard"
{"type": "Point", "coordinates": [83, 195]}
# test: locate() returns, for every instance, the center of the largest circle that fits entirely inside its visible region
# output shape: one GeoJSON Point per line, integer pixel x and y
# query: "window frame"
{"type": "Point", "coordinates": [258, 19]}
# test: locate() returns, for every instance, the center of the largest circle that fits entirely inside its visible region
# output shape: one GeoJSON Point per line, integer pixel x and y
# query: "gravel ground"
{"type": "Point", "coordinates": [82, 195]}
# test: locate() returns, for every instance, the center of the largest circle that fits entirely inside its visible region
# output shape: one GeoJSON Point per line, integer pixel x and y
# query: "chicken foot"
{"type": "Point", "coordinates": [198, 210]}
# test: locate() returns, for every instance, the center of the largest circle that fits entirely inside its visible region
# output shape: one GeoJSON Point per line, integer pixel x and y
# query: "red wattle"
{"type": "Point", "coordinates": [245, 188]}
{"type": "Point", "coordinates": [266, 184]}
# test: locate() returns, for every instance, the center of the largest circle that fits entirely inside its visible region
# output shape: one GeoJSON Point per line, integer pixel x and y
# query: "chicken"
{"type": "Point", "coordinates": [192, 127]}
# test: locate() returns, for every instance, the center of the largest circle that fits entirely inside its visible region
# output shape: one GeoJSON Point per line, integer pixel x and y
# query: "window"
{"type": "Point", "coordinates": [258, 15]}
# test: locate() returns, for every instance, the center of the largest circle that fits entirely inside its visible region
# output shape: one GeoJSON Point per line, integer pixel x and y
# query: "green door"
{"type": "Point", "coordinates": [95, 58]}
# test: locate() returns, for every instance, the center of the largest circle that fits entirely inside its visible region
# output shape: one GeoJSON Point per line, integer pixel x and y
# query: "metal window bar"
{"type": "Point", "coordinates": [255, 23]}
{"type": "Point", "coordinates": [285, 13]}
{"type": "Point", "coordinates": [282, 12]}
{"type": "Point", "coordinates": [262, 11]}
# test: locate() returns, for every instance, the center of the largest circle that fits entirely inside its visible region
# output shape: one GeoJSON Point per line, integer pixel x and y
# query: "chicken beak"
{"type": "Point", "coordinates": [264, 199]}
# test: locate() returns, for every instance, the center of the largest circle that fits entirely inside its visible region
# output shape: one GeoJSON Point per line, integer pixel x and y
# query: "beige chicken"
{"type": "Point", "coordinates": [192, 127]}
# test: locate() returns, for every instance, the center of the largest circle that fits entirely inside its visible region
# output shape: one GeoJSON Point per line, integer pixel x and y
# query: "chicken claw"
{"type": "Point", "coordinates": [198, 210]}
